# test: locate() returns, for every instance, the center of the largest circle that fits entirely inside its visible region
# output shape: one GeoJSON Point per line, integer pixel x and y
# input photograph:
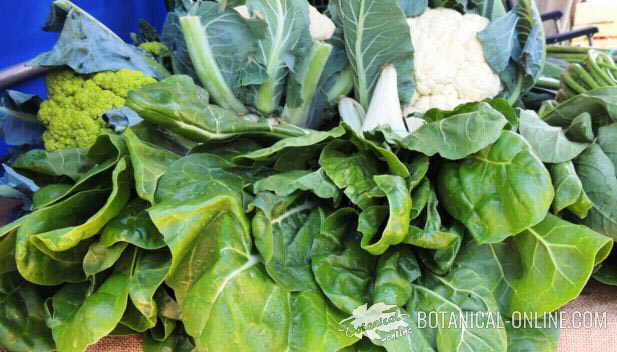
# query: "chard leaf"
{"type": "Point", "coordinates": [459, 135]}
{"type": "Point", "coordinates": [283, 230]}
{"type": "Point", "coordinates": [22, 317]}
{"type": "Point", "coordinates": [569, 193]}
{"type": "Point", "coordinates": [457, 294]}
{"type": "Point", "coordinates": [286, 183]}
{"type": "Point", "coordinates": [440, 261]}
{"type": "Point", "coordinates": [337, 257]}
{"type": "Point", "coordinates": [217, 280]}
{"type": "Point", "coordinates": [88, 46]}
{"type": "Point", "coordinates": [100, 258]}
{"type": "Point", "coordinates": [541, 269]}
{"type": "Point", "coordinates": [18, 119]}
{"type": "Point", "coordinates": [149, 164]}
{"type": "Point", "coordinates": [292, 143]}
{"type": "Point", "coordinates": [600, 103]}
{"type": "Point", "coordinates": [541, 338]}
{"type": "Point", "coordinates": [55, 268]}
{"type": "Point", "coordinates": [315, 324]}
{"type": "Point", "coordinates": [72, 163]}
{"type": "Point", "coordinates": [179, 105]}
{"type": "Point", "coordinates": [376, 34]}
{"type": "Point", "coordinates": [63, 239]}
{"type": "Point", "coordinates": [548, 142]}
{"type": "Point", "coordinates": [133, 226]}
{"type": "Point", "coordinates": [356, 178]}
{"type": "Point", "coordinates": [76, 320]}
{"type": "Point", "coordinates": [399, 208]}
{"type": "Point", "coordinates": [498, 192]}
{"type": "Point", "coordinates": [151, 269]}
{"type": "Point", "coordinates": [7, 254]}
{"type": "Point", "coordinates": [283, 41]}
{"type": "Point", "coordinates": [397, 269]}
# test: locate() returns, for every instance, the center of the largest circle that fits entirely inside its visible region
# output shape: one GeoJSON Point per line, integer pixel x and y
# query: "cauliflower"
{"type": "Point", "coordinates": [321, 26]}
{"type": "Point", "coordinates": [450, 68]}
{"type": "Point", "coordinates": [73, 114]}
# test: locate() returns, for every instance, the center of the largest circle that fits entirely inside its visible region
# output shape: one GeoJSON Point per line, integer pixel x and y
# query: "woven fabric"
{"type": "Point", "coordinates": [118, 344]}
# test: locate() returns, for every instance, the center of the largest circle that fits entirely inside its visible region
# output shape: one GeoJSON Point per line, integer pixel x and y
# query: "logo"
{"type": "Point", "coordinates": [380, 322]}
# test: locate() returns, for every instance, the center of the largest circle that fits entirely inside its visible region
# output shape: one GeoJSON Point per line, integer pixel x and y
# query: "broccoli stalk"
{"type": "Point", "coordinates": [206, 66]}
{"type": "Point", "coordinates": [308, 75]}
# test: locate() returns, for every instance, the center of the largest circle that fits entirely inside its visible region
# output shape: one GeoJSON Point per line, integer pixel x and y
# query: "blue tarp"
{"type": "Point", "coordinates": [23, 39]}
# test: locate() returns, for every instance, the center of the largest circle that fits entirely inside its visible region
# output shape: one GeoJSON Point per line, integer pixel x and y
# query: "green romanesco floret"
{"type": "Point", "coordinates": [73, 115]}
{"type": "Point", "coordinates": [157, 49]}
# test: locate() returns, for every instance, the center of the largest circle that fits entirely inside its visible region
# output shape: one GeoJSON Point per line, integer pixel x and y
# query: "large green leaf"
{"type": "Point", "coordinates": [396, 270]}
{"type": "Point", "coordinates": [356, 178]}
{"type": "Point", "coordinates": [600, 103]}
{"type": "Point", "coordinates": [286, 183]}
{"type": "Point", "coordinates": [498, 192]}
{"type": "Point", "coordinates": [337, 257]}
{"type": "Point", "coordinates": [222, 288]}
{"type": "Point", "coordinates": [80, 318]}
{"type": "Point", "coordinates": [179, 105]}
{"type": "Point", "coordinates": [151, 269]}
{"type": "Point", "coordinates": [283, 42]}
{"type": "Point", "coordinates": [376, 34]}
{"type": "Point", "coordinates": [543, 338]}
{"type": "Point", "coordinates": [548, 142]}
{"type": "Point", "coordinates": [54, 268]}
{"type": "Point", "coordinates": [374, 240]}
{"type": "Point", "coordinates": [315, 324]}
{"type": "Point", "coordinates": [540, 269]}
{"type": "Point", "coordinates": [455, 296]}
{"type": "Point", "coordinates": [64, 239]}
{"type": "Point", "coordinates": [22, 316]}
{"type": "Point", "coordinates": [100, 257]}
{"type": "Point", "coordinates": [7, 254]}
{"type": "Point", "coordinates": [149, 164]}
{"type": "Point", "coordinates": [133, 226]}
{"type": "Point", "coordinates": [72, 163]}
{"type": "Point", "coordinates": [569, 193]}
{"type": "Point", "coordinates": [283, 230]}
{"type": "Point", "coordinates": [458, 135]}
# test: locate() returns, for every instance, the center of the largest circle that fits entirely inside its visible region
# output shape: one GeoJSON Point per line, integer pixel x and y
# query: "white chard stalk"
{"type": "Point", "coordinates": [385, 106]}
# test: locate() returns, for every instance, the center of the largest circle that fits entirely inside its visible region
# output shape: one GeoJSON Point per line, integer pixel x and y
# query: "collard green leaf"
{"type": "Point", "coordinates": [182, 107]}
{"type": "Point", "coordinates": [356, 178]}
{"type": "Point", "coordinates": [88, 46]}
{"type": "Point", "coordinates": [283, 230]}
{"type": "Point", "coordinates": [62, 239]}
{"type": "Point", "coordinates": [399, 207]}
{"type": "Point", "coordinates": [569, 193]}
{"type": "Point", "coordinates": [73, 163]}
{"type": "Point", "coordinates": [376, 34]}
{"type": "Point", "coordinates": [396, 270]}
{"type": "Point", "coordinates": [216, 279]}
{"type": "Point", "coordinates": [548, 142]}
{"type": "Point", "coordinates": [22, 316]}
{"type": "Point", "coordinates": [284, 38]}
{"type": "Point", "coordinates": [458, 135]}
{"type": "Point", "coordinates": [286, 183]}
{"type": "Point", "coordinates": [80, 319]}
{"type": "Point", "coordinates": [499, 191]}
{"type": "Point", "coordinates": [149, 164]}
{"type": "Point", "coordinates": [18, 119]}
{"type": "Point", "coordinates": [315, 324]}
{"type": "Point", "coordinates": [514, 47]}
{"type": "Point", "coordinates": [337, 257]}
{"type": "Point", "coordinates": [457, 294]}
{"type": "Point", "coordinates": [54, 268]}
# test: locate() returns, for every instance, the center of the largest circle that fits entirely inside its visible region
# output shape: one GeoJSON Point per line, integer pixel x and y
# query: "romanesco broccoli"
{"type": "Point", "coordinates": [73, 114]}
{"type": "Point", "coordinates": [157, 49]}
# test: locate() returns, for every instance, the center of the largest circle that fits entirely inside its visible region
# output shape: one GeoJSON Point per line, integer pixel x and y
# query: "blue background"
{"type": "Point", "coordinates": [22, 37]}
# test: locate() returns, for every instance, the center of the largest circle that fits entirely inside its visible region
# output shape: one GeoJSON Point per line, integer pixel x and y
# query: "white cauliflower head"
{"type": "Point", "coordinates": [449, 64]}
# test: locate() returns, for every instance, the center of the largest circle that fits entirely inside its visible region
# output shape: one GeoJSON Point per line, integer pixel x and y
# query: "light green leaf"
{"type": "Point", "coordinates": [498, 192]}
{"type": "Point", "coordinates": [149, 164]}
{"type": "Point", "coordinates": [569, 192]}
{"type": "Point", "coordinates": [286, 183]}
{"type": "Point", "coordinates": [544, 338]}
{"type": "Point", "coordinates": [376, 34]}
{"type": "Point", "coordinates": [73, 163]}
{"type": "Point", "coordinates": [396, 270]}
{"type": "Point", "coordinates": [133, 226]}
